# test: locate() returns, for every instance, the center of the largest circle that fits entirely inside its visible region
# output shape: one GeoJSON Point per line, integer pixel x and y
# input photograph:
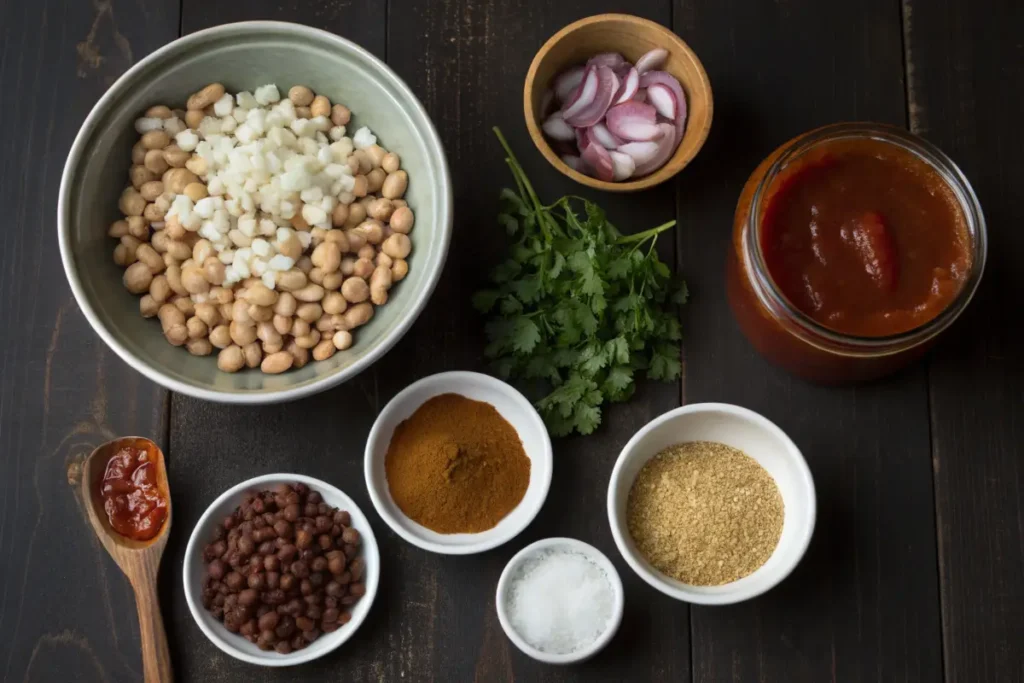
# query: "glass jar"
{"type": "Point", "coordinates": [789, 337]}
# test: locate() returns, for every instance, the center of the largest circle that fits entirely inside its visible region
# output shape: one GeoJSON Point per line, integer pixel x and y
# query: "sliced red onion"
{"type": "Point", "coordinates": [633, 121]}
{"type": "Point", "coordinates": [555, 127]}
{"type": "Point", "coordinates": [583, 96]}
{"type": "Point", "coordinates": [630, 84]}
{"type": "Point", "coordinates": [623, 165]}
{"type": "Point", "coordinates": [594, 110]}
{"type": "Point", "coordinates": [641, 95]}
{"type": "Point", "coordinates": [667, 144]}
{"type": "Point", "coordinates": [600, 134]}
{"type": "Point", "coordinates": [597, 159]}
{"type": "Point", "coordinates": [663, 99]}
{"type": "Point", "coordinates": [663, 78]}
{"type": "Point", "coordinates": [652, 60]}
{"type": "Point", "coordinates": [609, 59]}
{"type": "Point", "coordinates": [572, 161]}
{"type": "Point", "coordinates": [641, 152]}
{"type": "Point", "coordinates": [567, 82]}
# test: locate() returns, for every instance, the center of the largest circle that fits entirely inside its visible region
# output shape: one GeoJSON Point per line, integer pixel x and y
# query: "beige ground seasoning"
{"type": "Point", "coordinates": [705, 513]}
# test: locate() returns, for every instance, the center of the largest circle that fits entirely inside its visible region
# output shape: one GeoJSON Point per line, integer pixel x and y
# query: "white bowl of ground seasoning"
{"type": "Point", "coordinates": [458, 463]}
{"type": "Point", "coordinates": [711, 503]}
{"type": "Point", "coordinates": [560, 600]}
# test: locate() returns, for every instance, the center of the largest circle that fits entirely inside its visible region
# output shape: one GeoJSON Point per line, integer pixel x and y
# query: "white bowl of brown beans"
{"type": "Point", "coordinates": [344, 586]}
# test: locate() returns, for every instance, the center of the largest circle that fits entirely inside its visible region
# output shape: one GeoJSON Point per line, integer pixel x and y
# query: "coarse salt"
{"type": "Point", "coordinates": [560, 601]}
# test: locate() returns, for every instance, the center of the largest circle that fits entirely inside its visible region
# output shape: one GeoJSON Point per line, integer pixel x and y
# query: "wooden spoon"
{"type": "Point", "coordinates": [139, 560]}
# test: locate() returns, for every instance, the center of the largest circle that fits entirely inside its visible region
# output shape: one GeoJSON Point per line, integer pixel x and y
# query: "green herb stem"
{"type": "Point", "coordinates": [641, 236]}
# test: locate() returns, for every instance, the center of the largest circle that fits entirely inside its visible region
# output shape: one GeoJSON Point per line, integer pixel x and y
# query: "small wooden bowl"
{"type": "Point", "coordinates": [631, 37]}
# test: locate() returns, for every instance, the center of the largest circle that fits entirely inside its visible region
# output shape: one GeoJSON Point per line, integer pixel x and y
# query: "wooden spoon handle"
{"type": "Point", "coordinates": [156, 657]}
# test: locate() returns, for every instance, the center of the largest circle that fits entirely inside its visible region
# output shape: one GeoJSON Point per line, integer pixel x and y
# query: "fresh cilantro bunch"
{"type": "Point", "coordinates": [578, 305]}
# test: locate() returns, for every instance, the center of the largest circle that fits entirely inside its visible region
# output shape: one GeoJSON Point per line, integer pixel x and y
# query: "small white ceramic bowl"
{"type": "Point", "coordinates": [195, 569]}
{"type": "Point", "coordinates": [757, 437]}
{"type": "Point", "coordinates": [599, 558]}
{"type": "Point", "coordinates": [513, 406]}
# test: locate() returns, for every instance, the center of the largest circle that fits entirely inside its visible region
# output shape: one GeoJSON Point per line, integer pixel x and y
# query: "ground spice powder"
{"type": "Point", "coordinates": [705, 513]}
{"type": "Point", "coordinates": [456, 465]}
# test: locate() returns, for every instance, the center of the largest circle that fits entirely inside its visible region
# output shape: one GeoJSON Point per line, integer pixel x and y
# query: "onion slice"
{"type": "Point", "coordinates": [666, 144]}
{"type": "Point", "coordinates": [630, 84]}
{"type": "Point", "coordinates": [663, 78]}
{"type": "Point", "coordinates": [556, 128]}
{"type": "Point", "coordinates": [567, 82]}
{"type": "Point", "coordinates": [572, 161]}
{"type": "Point", "coordinates": [605, 84]}
{"type": "Point", "coordinates": [663, 99]}
{"type": "Point", "coordinates": [599, 161]}
{"type": "Point", "coordinates": [609, 59]}
{"type": "Point", "coordinates": [600, 134]}
{"type": "Point", "coordinates": [633, 121]}
{"type": "Point", "coordinates": [651, 60]}
{"type": "Point", "coordinates": [641, 152]}
{"type": "Point", "coordinates": [623, 165]}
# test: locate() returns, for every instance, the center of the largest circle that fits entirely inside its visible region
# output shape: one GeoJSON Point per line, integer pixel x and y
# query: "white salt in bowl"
{"type": "Point", "coordinates": [756, 436]}
{"type": "Point", "coordinates": [512, 406]}
{"type": "Point", "coordinates": [559, 545]}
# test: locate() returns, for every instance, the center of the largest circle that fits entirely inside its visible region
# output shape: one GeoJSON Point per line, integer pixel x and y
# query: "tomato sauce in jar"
{"type": "Point", "coordinates": [132, 498]}
{"type": "Point", "coordinates": [854, 246]}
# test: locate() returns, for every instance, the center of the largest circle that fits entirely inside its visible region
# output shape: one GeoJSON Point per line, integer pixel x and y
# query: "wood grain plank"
{"type": "Point", "coordinates": [863, 604]}
{"type": "Point", "coordinates": [964, 60]}
{"type": "Point", "coordinates": [467, 59]}
{"type": "Point", "coordinates": [61, 392]}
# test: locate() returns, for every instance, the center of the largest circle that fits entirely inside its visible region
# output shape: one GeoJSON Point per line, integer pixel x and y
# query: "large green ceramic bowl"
{"type": "Point", "coordinates": [243, 56]}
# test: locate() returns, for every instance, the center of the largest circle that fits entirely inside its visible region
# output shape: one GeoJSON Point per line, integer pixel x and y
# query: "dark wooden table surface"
{"type": "Point", "coordinates": [916, 567]}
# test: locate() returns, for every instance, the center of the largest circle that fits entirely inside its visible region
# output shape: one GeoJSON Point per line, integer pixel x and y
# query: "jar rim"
{"type": "Point", "coordinates": [813, 331]}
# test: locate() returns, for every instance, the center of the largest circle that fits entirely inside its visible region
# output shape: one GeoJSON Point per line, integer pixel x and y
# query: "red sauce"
{"type": "Point", "coordinates": [865, 238]}
{"type": "Point", "coordinates": [135, 505]}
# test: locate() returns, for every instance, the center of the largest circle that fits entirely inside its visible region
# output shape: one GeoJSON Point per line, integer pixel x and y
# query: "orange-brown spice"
{"type": "Point", "coordinates": [456, 465]}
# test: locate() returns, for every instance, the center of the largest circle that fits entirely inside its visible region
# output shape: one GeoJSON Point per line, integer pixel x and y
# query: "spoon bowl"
{"type": "Point", "coordinates": [139, 560]}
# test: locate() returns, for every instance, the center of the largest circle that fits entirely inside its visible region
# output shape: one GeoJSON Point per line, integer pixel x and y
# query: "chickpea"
{"type": "Point", "coordinates": [179, 251]}
{"type": "Point", "coordinates": [230, 359]}
{"type": "Point", "coordinates": [376, 154]}
{"type": "Point", "coordinates": [348, 265]}
{"type": "Point", "coordinates": [260, 314]}
{"type": "Point", "coordinates": [225, 312]}
{"type": "Point", "coordinates": [175, 230]}
{"type": "Point", "coordinates": [272, 346]}
{"type": "Point", "coordinates": [342, 340]}
{"type": "Point", "coordinates": [151, 190]}
{"type": "Point", "coordinates": [220, 336]}
{"type": "Point", "coordinates": [170, 315]}
{"type": "Point", "coordinates": [356, 215]}
{"type": "Point", "coordinates": [242, 333]}
{"type": "Point", "coordinates": [277, 363]}
{"type": "Point", "coordinates": [318, 235]}
{"type": "Point", "coordinates": [140, 175]}
{"type": "Point", "coordinates": [303, 113]}
{"type": "Point", "coordinates": [154, 162]}
{"type": "Point", "coordinates": [285, 304]}
{"type": "Point", "coordinates": [196, 164]}
{"type": "Point", "coordinates": [208, 314]}
{"type": "Point", "coordinates": [194, 281]}
{"type": "Point", "coordinates": [309, 340]}
{"type": "Point", "coordinates": [327, 257]}
{"type": "Point", "coordinates": [155, 139]}
{"type": "Point", "coordinates": [154, 213]}
{"type": "Point", "coordinates": [375, 180]}
{"type": "Point", "coordinates": [334, 302]}
{"type": "Point", "coordinates": [355, 290]}
{"type": "Point", "coordinates": [118, 229]}
{"type": "Point", "coordinates": [361, 187]}
{"type": "Point", "coordinates": [300, 328]}
{"type": "Point", "coordinates": [137, 228]}
{"type": "Point", "coordinates": [291, 247]}
{"type": "Point", "coordinates": [300, 95]}
{"type": "Point", "coordinates": [199, 347]}
{"type": "Point", "coordinates": [205, 97]}
{"type": "Point", "coordinates": [253, 354]}
{"type": "Point", "coordinates": [395, 185]}
{"type": "Point", "coordinates": [353, 164]}
{"type": "Point", "coordinates": [380, 283]}
{"type": "Point", "coordinates": [131, 203]}
{"type": "Point", "coordinates": [177, 179]}
{"type": "Point", "coordinates": [372, 230]}
{"type": "Point", "coordinates": [310, 312]}
{"type": "Point", "coordinates": [332, 281]}
{"type": "Point", "coordinates": [173, 274]}
{"type": "Point", "coordinates": [299, 354]}
{"type": "Point", "coordinates": [402, 220]}
{"type": "Point", "coordinates": [363, 268]}
{"type": "Point", "coordinates": [221, 295]}
{"type": "Point", "coordinates": [261, 295]}
{"type": "Point", "coordinates": [137, 278]}
{"type": "Point", "coordinates": [282, 323]}
{"type": "Point", "coordinates": [159, 289]}
{"type": "Point", "coordinates": [324, 324]}
{"type": "Point", "coordinates": [399, 269]}
{"type": "Point", "coordinates": [340, 115]}
{"type": "Point", "coordinates": [338, 237]}
{"type": "Point", "coordinates": [148, 306]}
{"type": "Point", "coordinates": [266, 332]}
{"type": "Point", "coordinates": [367, 252]}
{"type": "Point", "coordinates": [159, 241]}
{"type": "Point", "coordinates": [176, 335]}
{"type": "Point", "coordinates": [390, 163]}
{"type": "Point", "coordinates": [201, 250]}
{"type": "Point", "coordinates": [316, 276]}
{"type": "Point", "coordinates": [381, 209]}
{"type": "Point", "coordinates": [175, 157]}
{"type": "Point", "coordinates": [185, 305]}
{"type": "Point", "coordinates": [399, 203]}
{"type": "Point", "coordinates": [138, 153]}
{"type": "Point", "coordinates": [304, 264]}
{"type": "Point", "coordinates": [320, 106]}
{"type": "Point", "coordinates": [147, 255]}
{"type": "Point", "coordinates": [356, 239]}
{"type": "Point", "coordinates": [311, 292]}
{"type": "Point", "coordinates": [196, 328]}
{"type": "Point", "coordinates": [195, 191]}
{"type": "Point", "coordinates": [397, 246]}
{"type": "Point", "coordinates": [193, 117]}
{"type": "Point", "coordinates": [339, 215]}
{"type": "Point", "coordinates": [324, 349]}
